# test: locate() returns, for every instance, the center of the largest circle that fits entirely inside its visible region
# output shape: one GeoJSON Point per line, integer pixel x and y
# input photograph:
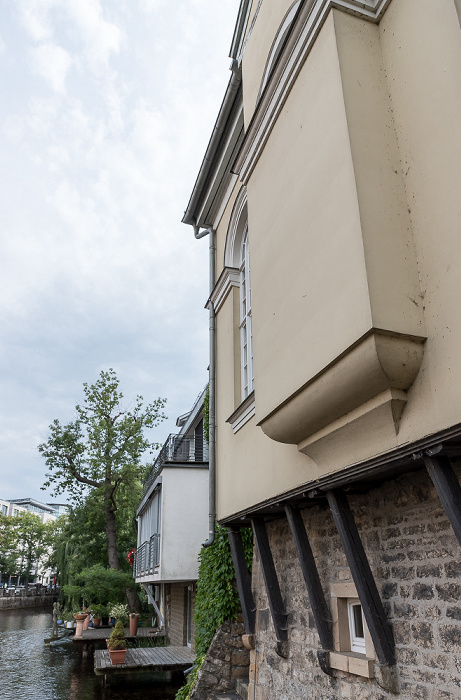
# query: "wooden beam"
{"type": "Point", "coordinates": [319, 606]}
{"type": "Point", "coordinates": [448, 488]}
{"type": "Point", "coordinates": [372, 606]}
{"type": "Point", "coordinates": [243, 580]}
{"type": "Point", "coordinates": [274, 595]}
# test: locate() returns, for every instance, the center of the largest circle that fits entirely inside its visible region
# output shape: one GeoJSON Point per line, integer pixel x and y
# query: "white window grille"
{"type": "Point", "coordinates": [356, 625]}
{"type": "Point", "coordinates": [246, 343]}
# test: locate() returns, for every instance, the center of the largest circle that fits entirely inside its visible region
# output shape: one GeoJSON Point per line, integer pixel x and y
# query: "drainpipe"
{"type": "Point", "coordinates": [211, 404]}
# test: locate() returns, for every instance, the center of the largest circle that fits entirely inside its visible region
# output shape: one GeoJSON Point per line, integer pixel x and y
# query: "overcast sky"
{"type": "Point", "coordinates": [106, 109]}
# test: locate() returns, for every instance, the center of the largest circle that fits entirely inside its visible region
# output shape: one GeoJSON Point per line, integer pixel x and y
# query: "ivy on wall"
{"type": "Point", "coordinates": [217, 599]}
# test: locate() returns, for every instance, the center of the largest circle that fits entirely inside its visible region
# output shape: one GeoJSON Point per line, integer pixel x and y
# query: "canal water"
{"type": "Point", "coordinates": [33, 671]}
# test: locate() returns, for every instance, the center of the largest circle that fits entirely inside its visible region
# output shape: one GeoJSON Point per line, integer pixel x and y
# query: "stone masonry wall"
{"type": "Point", "coordinates": [416, 561]}
{"type": "Point", "coordinates": [226, 661]}
{"type": "Point", "coordinates": [26, 601]}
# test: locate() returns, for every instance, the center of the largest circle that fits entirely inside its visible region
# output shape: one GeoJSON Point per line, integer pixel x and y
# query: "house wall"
{"type": "Point", "coordinates": [354, 253]}
{"type": "Point", "coordinates": [176, 614]}
{"type": "Point", "coordinates": [414, 557]}
{"type": "Point", "coordinates": [184, 524]}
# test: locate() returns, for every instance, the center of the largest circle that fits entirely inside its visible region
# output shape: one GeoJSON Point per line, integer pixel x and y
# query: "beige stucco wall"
{"type": "Point", "coordinates": [422, 55]}
{"type": "Point", "coordinates": [354, 219]}
{"type": "Point", "coordinates": [270, 17]}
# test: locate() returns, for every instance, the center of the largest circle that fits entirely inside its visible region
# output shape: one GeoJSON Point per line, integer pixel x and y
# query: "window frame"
{"type": "Point", "coordinates": [246, 323]}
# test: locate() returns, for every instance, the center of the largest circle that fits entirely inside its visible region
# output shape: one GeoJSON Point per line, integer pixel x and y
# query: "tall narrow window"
{"type": "Point", "coordinates": [246, 343]}
{"type": "Point", "coordinates": [356, 626]}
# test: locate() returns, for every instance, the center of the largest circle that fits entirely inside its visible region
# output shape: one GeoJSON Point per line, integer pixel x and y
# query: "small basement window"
{"type": "Point", "coordinates": [354, 651]}
{"type": "Point", "coordinates": [356, 625]}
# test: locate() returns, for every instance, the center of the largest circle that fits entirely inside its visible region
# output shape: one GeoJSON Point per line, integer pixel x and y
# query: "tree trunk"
{"type": "Point", "coordinates": [133, 601]}
{"type": "Point", "coordinates": [111, 532]}
{"type": "Point", "coordinates": [132, 597]}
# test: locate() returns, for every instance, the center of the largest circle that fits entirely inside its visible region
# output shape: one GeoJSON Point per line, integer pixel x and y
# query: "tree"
{"type": "Point", "coordinates": [34, 540]}
{"type": "Point", "coordinates": [8, 545]}
{"type": "Point", "coordinates": [98, 455]}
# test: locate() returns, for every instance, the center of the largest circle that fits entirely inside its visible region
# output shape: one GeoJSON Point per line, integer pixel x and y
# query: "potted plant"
{"type": "Point", "coordinates": [98, 611]}
{"type": "Point", "coordinates": [117, 644]}
{"type": "Point", "coordinates": [119, 611]}
{"type": "Point", "coordinates": [68, 618]}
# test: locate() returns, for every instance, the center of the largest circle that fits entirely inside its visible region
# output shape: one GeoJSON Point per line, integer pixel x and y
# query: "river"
{"type": "Point", "coordinates": [30, 670]}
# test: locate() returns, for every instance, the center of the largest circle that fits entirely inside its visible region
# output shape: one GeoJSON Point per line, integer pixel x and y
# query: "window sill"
{"type": "Point", "coordinates": [243, 413]}
{"type": "Point", "coordinates": [351, 662]}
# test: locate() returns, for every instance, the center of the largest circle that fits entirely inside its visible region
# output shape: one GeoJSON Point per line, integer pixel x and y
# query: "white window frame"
{"type": "Point", "coordinates": [246, 330]}
{"type": "Point", "coordinates": [357, 639]}
{"type": "Point", "coordinates": [352, 652]}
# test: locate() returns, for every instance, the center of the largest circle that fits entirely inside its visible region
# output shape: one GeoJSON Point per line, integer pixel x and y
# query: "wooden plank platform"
{"type": "Point", "coordinates": [93, 634]}
{"type": "Point", "coordinates": [151, 659]}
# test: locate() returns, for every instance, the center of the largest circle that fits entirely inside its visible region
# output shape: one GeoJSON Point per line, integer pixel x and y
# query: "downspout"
{"type": "Point", "coordinates": [211, 392]}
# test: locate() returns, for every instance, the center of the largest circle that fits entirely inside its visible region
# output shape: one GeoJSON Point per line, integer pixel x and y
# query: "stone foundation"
{"type": "Point", "coordinates": [226, 661]}
{"type": "Point", "coordinates": [10, 602]}
{"type": "Point", "coordinates": [416, 561]}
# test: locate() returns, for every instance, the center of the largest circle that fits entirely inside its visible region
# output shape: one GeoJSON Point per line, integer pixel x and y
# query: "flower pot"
{"type": "Point", "coordinates": [69, 625]}
{"type": "Point", "coordinates": [134, 622]}
{"type": "Point", "coordinates": [96, 621]}
{"type": "Point", "coordinates": [117, 656]}
{"type": "Point", "coordinates": [79, 616]}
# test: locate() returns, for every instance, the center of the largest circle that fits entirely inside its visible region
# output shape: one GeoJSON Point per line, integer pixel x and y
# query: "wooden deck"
{"type": "Point", "coordinates": [151, 659]}
{"type": "Point", "coordinates": [94, 634]}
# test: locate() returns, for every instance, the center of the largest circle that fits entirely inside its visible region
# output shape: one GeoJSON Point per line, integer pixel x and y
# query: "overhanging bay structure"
{"type": "Point", "coordinates": [330, 195]}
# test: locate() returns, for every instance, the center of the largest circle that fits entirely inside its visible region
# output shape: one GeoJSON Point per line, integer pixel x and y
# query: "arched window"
{"type": "Point", "coordinates": [246, 336]}
{"type": "Point", "coordinates": [237, 263]}
{"type": "Point", "coordinates": [278, 44]}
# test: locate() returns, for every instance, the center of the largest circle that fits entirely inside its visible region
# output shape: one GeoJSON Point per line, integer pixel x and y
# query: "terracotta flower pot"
{"type": "Point", "coordinates": [96, 621]}
{"type": "Point", "coordinates": [134, 622]}
{"type": "Point", "coordinates": [117, 656]}
{"type": "Point", "coordinates": [79, 616]}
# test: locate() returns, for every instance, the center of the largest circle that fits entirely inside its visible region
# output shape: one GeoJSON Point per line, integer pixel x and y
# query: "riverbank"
{"type": "Point", "coordinates": [18, 602]}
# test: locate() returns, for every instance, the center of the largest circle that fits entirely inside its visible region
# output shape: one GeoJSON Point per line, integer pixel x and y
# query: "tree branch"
{"type": "Point", "coordinates": [78, 476]}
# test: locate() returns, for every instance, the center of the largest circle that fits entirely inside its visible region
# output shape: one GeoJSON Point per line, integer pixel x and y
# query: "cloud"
{"type": "Point", "coordinates": [52, 63]}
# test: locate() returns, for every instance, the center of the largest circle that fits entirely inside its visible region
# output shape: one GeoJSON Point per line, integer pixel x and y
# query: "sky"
{"type": "Point", "coordinates": [106, 109]}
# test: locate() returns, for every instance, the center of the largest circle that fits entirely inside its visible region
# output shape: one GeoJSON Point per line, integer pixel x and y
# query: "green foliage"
{"type": "Point", "coordinates": [99, 454]}
{"type": "Point", "coordinates": [24, 541]}
{"type": "Point", "coordinates": [217, 599]}
{"type": "Point", "coordinates": [8, 544]}
{"type": "Point", "coordinates": [206, 414]}
{"type": "Point", "coordinates": [73, 596]}
{"type": "Point", "coordinates": [101, 585]}
{"type": "Point", "coordinates": [184, 692]}
{"type": "Point", "coordinates": [119, 611]}
{"type": "Point", "coordinates": [117, 638]}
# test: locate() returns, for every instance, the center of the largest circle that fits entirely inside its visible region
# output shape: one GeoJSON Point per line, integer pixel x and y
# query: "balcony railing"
{"type": "Point", "coordinates": [177, 448]}
{"type": "Point", "coordinates": [147, 557]}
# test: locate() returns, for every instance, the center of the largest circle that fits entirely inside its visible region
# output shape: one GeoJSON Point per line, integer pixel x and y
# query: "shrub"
{"type": "Point", "coordinates": [117, 638]}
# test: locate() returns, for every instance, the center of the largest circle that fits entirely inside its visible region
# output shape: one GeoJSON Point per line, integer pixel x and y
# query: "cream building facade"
{"type": "Point", "coordinates": [330, 195]}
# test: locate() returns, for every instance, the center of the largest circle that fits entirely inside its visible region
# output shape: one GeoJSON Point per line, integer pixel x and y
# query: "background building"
{"type": "Point", "coordinates": [173, 523]}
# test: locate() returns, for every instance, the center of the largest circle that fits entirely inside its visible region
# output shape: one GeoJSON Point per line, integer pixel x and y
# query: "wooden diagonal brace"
{"type": "Point", "coordinates": [243, 580]}
{"type": "Point", "coordinates": [448, 488]}
{"type": "Point", "coordinates": [322, 615]}
{"type": "Point", "coordinates": [372, 606]}
{"type": "Point", "coordinates": [276, 605]}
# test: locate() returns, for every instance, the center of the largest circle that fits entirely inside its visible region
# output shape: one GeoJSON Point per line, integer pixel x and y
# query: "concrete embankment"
{"type": "Point", "coordinates": [10, 602]}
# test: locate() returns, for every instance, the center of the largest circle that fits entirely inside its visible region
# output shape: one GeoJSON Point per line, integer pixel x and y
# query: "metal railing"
{"type": "Point", "coordinates": [177, 448]}
{"type": "Point", "coordinates": [147, 556]}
